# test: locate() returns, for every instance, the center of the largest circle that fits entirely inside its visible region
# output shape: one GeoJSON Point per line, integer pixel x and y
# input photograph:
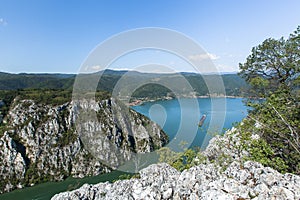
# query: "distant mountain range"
{"type": "Point", "coordinates": [35, 81]}
{"type": "Point", "coordinates": [234, 85]}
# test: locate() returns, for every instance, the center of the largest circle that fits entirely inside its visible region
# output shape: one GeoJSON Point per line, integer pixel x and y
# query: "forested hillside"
{"type": "Point", "coordinates": [234, 85]}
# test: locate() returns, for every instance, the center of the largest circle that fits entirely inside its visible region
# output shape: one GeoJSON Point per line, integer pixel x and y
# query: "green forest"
{"type": "Point", "coordinates": [234, 84]}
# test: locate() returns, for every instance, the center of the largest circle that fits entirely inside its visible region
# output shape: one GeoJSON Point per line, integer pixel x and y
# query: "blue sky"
{"type": "Point", "coordinates": [57, 36]}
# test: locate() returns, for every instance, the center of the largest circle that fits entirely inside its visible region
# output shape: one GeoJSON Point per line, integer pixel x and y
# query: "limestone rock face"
{"type": "Point", "coordinates": [45, 142]}
{"type": "Point", "coordinates": [120, 133]}
{"type": "Point", "coordinates": [12, 162]}
{"type": "Point", "coordinates": [160, 181]}
{"type": "Point", "coordinates": [230, 180]}
{"type": "Point", "coordinates": [227, 145]}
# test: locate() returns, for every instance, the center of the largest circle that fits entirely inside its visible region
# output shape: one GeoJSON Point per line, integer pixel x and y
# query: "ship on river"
{"type": "Point", "coordinates": [202, 120]}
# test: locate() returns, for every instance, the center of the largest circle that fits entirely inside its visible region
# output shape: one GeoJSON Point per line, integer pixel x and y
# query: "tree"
{"type": "Point", "coordinates": [273, 71]}
{"type": "Point", "coordinates": [273, 65]}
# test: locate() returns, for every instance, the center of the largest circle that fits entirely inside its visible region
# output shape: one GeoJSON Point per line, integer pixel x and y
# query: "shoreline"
{"type": "Point", "coordinates": [140, 101]}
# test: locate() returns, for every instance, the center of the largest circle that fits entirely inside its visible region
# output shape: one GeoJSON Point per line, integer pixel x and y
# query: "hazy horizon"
{"type": "Point", "coordinates": [119, 70]}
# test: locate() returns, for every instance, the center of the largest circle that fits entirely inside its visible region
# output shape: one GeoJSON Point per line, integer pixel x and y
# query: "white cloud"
{"type": "Point", "coordinates": [93, 68]}
{"type": "Point", "coordinates": [228, 55]}
{"type": "Point", "coordinates": [148, 69]}
{"type": "Point", "coordinates": [96, 68]}
{"type": "Point", "coordinates": [227, 68]}
{"type": "Point", "coordinates": [204, 56]}
{"type": "Point", "coordinates": [3, 22]}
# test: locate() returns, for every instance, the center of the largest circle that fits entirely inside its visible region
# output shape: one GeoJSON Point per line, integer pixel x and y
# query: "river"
{"type": "Point", "coordinates": [178, 118]}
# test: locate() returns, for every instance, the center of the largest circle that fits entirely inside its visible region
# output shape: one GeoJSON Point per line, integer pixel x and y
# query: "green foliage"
{"type": "Point", "coordinates": [273, 71]}
{"type": "Point", "coordinates": [34, 176]}
{"type": "Point", "coordinates": [39, 96]}
{"type": "Point", "coordinates": [151, 91]}
{"type": "Point", "coordinates": [3, 183]}
{"type": "Point", "coordinates": [233, 84]}
{"type": "Point", "coordinates": [167, 155]}
{"type": "Point", "coordinates": [48, 97]}
{"type": "Point", "coordinates": [7, 98]}
{"type": "Point", "coordinates": [273, 65]}
{"type": "Point", "coordinates": [185, 160]}
{"type": "Point", "coordinates": [279, 119]}
{"type": "Point", "coordinates": [3, 128]}
{"type": "Point", "coordinates": [102, 95]}
{"type": "Point", "coordinates": [45, 96]}
{"type": "Point", "coordinates": [181, 160]}
{"type": "Point", "coordinates": [262, 152]}
{"type": "Point", "coordinates": [30, 174]}
{"type": "Point", "coordinates": [35, 81]}
{"type": "Point", "coordinates": [126, 176]}
{"type": "Point", "coordinates": [67, 137]}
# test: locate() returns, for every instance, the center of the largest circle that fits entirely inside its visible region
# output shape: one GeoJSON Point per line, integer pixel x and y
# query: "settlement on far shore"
{"type": "Point", "coordinates": [140, 101]}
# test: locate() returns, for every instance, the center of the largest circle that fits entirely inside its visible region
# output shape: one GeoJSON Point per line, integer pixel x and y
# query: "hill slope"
{"type": "Point", "coordinates": [234, 85]}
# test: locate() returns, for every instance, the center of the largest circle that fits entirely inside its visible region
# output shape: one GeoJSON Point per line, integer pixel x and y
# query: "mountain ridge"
{"type": "Point", "coordinates": [234, 85]}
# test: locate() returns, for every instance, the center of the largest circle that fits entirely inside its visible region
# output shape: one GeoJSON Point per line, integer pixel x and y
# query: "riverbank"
{"type": "Point", "coordinates": [222, 173]}
{"type": "Point", "coordinates": [140, 101]}
{"type": "Point", "coordinates": [45, 191]}
{"type": "Point", "coordinates": [171, 126]}
{"type": "Point", "coordinates": [179, 118]}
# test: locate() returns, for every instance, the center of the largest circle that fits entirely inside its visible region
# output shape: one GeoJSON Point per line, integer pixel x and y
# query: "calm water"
{"type": "Point", "coordinates": [45, 191]}
{"type": "Point", "coordinates": [178, 118]}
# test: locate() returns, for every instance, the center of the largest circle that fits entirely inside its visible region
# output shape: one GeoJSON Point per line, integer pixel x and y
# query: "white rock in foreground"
{"type": "Point", "coordinates": [161, 181]}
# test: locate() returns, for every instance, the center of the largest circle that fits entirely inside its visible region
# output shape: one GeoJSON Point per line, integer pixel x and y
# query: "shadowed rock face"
{"type": "Point", "coordinates": [51, 142]}
{"type": "Point", "coordinates": [114, 134]}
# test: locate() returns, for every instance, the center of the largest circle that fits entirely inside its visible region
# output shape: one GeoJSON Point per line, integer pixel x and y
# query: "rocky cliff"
{"type": "Point", "coordinates": [41, 142]}
{"type": "Point", "coordinates": [215, 178]}
{"type": "Point", "coordinates": [248, 181]}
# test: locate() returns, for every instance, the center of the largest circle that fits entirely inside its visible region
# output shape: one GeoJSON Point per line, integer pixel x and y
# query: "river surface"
{"type": "Point", "coordinates": [45, 191]}
{"type": "Point", "coordinates": [178, 118]}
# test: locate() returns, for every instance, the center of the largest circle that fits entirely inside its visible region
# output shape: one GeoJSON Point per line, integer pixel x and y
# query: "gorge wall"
{"type": "Point", "coordinates": [41, 142]}
{"type": "Point", "coordinates": [223, 175]}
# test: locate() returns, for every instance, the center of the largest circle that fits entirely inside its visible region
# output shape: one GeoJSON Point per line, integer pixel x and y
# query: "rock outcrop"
{"type": "Point", "coordinates": [160, 181]}
{"type": "Point", "coordinates": [216, 178]}
{"type": "Point", "coordinates": [43, 142]}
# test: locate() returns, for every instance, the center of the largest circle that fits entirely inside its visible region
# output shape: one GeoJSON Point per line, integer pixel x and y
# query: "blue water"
{"type": "Point", "coordinates": [179, 118]}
